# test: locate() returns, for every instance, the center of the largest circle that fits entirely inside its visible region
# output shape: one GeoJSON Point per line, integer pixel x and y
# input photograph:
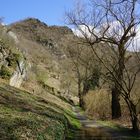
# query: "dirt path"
{"type": "Point", "coordinates": [92, 130]}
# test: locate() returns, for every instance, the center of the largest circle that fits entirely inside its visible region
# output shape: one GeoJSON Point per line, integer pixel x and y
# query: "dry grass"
{"type": "Point", "coordinates": [98, 103]}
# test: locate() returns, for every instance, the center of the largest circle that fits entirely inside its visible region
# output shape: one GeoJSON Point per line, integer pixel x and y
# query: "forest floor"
{"type": "Point", "coordinates": [96, 130]}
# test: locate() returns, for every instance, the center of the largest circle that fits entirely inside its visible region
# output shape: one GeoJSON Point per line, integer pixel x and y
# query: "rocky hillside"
{"type": "Point", "coordinates": [42, 46]}
{"type": "Point", "coordinates": [35, 30]}
{"type": "Point", "coordinates": [34, 103]}
{"type": "Point", "coordinates": [12, 61]}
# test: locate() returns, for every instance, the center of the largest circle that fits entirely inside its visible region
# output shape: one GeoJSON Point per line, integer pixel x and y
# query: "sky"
{"type": "Point", "coordinates": [48, 11]}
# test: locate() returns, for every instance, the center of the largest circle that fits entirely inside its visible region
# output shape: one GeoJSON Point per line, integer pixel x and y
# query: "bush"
{"type": "Point", "coordinates": [12, 59]}
{"type": "Point", "coordinates": [5, 72]}
{"type": "Point", "coordinates": [98, 103]}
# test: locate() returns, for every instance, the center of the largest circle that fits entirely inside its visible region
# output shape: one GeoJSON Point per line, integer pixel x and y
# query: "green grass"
{"type": "Point", "coordinates": [109, 124]}
{"type": "Point", "coordinates": [23, 115]}
{"type": "Point", "coordinates": [72, 119]}
{"type": "Point", "coordinates": [16, 123]}
{"type": "Point", "coordinates": [74, 123]}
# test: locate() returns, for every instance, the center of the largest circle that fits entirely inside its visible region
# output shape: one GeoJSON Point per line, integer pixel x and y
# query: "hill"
{"type": "Point", "coordinates": [32, 98]}
{"type": "Point", "coordinates": [35, 30]}
{"type": "Point", "coordinates": [42, 46]}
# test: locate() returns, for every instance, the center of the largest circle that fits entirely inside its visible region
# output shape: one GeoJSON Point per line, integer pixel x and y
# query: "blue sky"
{"type": "Point", "coordinates": [49, 11]}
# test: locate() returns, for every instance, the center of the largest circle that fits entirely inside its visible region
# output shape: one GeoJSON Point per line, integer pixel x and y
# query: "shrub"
{"type": "Point", "coordinates": [12, 59]}
{"type": "Point", "coordinates": [98, 103]}
{"type": "Point", "coordinates": [5, 72]}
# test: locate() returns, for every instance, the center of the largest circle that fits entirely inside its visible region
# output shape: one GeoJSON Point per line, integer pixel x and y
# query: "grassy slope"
{"type": "Point", "coordinates": [26, 116]}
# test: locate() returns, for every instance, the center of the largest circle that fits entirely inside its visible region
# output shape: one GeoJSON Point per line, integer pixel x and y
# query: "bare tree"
{"type": "Point", "coordinates": [112, 23]}
{"type": "Point", "coordinates": [82, 65]}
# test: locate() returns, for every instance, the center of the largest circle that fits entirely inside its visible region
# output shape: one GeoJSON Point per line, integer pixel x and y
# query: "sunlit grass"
{"type": "Point", "coordinates": [24, 115]}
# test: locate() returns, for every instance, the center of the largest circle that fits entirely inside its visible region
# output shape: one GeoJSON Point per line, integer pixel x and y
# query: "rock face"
{"type": "Point", "coordinates": [36, 30]}
{"type": "Point", "coordinates": [13, 35]}
{"type": "Point", "coordinates": [12, 61]}
{"type": "Point", "coordinates": [19, 75]}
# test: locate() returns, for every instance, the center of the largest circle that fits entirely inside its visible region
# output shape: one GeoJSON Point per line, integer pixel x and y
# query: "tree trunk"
{"type": "Point", "coordinates": [134, 118]}
{"type": "Point", "coordinates": [81, 102]}
{"type": "Point", "coordinates": [116, 90]}
{"type": "Point", "coordinates": [135, 124]}
{"type": "Point", "coordinates": [85, 87]}
{"type": "Point", "coordinates": [116, 108]}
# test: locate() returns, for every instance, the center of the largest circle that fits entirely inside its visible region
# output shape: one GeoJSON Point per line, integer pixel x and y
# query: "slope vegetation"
{"type": "Point", "coordinates": [26, 116]}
